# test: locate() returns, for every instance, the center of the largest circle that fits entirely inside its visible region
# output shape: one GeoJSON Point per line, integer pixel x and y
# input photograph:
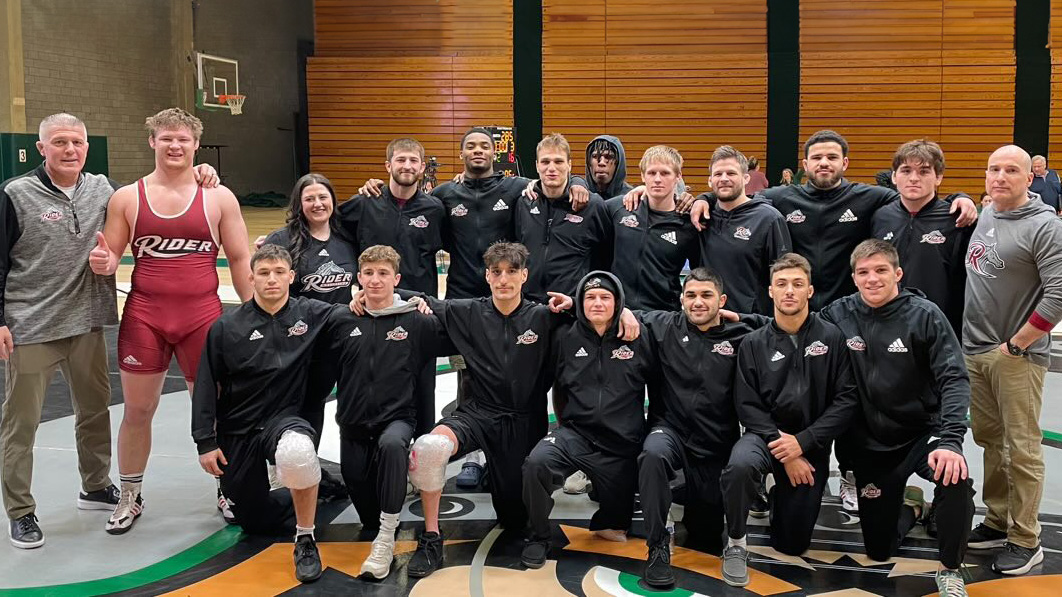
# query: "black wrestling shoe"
{"type": "Point", "coordinates": [429, 555]}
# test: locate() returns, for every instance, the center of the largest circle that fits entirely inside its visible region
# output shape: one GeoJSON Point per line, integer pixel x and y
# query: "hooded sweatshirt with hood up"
{"type": "Point", "coordinates": [1014, 275]}
{"type": "Point", "coordinates": [618, 185]}
{"type": "Point", "coordinates": [602, 378]}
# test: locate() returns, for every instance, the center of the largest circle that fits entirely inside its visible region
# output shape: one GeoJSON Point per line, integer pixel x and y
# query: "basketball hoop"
{"type": "Point", "coordinates": [235, 103]}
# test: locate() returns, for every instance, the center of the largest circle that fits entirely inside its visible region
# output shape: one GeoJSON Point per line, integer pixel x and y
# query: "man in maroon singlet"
{"type": "Point", "coordinates": [175, 228]}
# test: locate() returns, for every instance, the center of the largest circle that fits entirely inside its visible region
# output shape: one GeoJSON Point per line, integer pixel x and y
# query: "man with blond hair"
{"type": "Point", "coordinates": [1013, 301]}
{"type": "Point", "coordinates": [652, 243]}
{"type": "Point", "coordinates": [175, 227]}
{"type": "Point", "coordinates": [565, 243]}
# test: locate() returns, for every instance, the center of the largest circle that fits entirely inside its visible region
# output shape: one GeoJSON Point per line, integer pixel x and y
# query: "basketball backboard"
{"type": "Point", "coordinates": [217, 76]}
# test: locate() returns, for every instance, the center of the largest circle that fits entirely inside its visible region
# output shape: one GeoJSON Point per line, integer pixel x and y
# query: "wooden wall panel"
{"type": "Point", "coordinates": [351, 122]}
{"type": "Point", "coordinates": [689, 75]}
{"type": "Point", "coordinates": [412, 27]}
{"type": "Point", "coordinates": [940, 69]}
{"type": "Point", "coordinates": [1054, 148]}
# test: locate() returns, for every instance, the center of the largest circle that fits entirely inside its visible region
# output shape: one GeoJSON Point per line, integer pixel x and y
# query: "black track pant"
{"type": "Point", "coordinates": [374, 470]}
{"type": "Point", "coordinates": [506, 439]}
{"type": "Point", "coordinates": [882, 477]}
{"type": "Point", "coordinates": [319, 385]}
{"type": "Point", "coordinates": [424, 398]}
{"type": "Point", "coordinates": [246, 479]}
{"type": "Point", "coordinates": [793, 509]}
{"type": "Point", "coordinates": [560, 454]}
{"type": "Point", "coordinates": [663, 455]}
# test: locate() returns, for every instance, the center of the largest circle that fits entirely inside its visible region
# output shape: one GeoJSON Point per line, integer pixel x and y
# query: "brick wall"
{"type": "Point", "coordinates": [262, 35]}
{"type": "Point", "coordinates": [109, 63]}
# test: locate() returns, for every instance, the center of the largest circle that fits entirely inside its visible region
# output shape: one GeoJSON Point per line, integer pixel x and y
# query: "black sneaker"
{"type": "Point", "coordinates": [1016, 560]}
{"type": "Point", "coordinates": [225, 507]}
{"type": "Point", "coordinates": [930, 520]}
{"type": "Point", "coordinates": [26, 533]}
{"type": "Point", "coordinates": [985, 537]}
{"type": "Point", "coordinates": [101, 499]}
{"type": "Point", "coordinates": [307, 559]}
{"type": "Point", "coordinates": [429, 555]}
{"type": "Point", "coordinates": [658, 566]}
{"type": "Point", "coordinates": [760, 507]}
{"type": "Point", "coordinates": [534, 553]}
{"type": "Point", "coordinates": [331, 489]}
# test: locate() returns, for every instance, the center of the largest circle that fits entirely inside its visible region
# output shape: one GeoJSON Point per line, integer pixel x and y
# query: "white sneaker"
{"type": "Point", "coordinates": [577, 483]}
{"type": "Point", "coordinates": [382, 554]}
{"type": "Point", "coordinates": [130, 507]}
{"type": "Point", "coordinates": [849, 493]}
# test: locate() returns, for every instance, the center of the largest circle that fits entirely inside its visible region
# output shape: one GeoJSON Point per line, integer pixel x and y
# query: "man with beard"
{"type": "Point", "coordinates": [411, 222]}
{"type": "Point", "coordinates": [795, 394]}
{"type": "Point", "coordinates": [744, 236]}
{"type": "Point", "coordinates": [564, 245]}
{"type": "Point", "coordinates": [692, 421]}
{"type": "Point", "coordinates": [606, 167]}
{"type": "Point", "coordinates": [932, 248]}
{"type": "Point", "coordinates": [652, 244]}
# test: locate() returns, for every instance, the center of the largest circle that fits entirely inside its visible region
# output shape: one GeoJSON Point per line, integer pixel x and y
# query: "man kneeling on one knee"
{"type": "Point", "coordinates": [915, 392]}
{"type": "Point", "coordinates": [600, 395]}
{"type": "Point", "coordinates": [249, 389]}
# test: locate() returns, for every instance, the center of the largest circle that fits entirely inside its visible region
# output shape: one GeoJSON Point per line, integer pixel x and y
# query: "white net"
{"type": "Point", "coordinates": [235, 103]}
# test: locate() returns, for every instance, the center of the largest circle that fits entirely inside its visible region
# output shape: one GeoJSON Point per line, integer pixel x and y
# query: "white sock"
{"type": "Point", "coordinates": [388, 523]}
{"type": "Point", "coordinates": [132, 482]}
{"type": "Point", "coordinates": [300, 531]}
{"type": "Point", "coordinates": [742, 542]}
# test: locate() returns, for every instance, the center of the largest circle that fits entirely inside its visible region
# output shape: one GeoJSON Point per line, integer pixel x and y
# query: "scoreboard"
{"type": "Point", "coordinates": [504, 150]}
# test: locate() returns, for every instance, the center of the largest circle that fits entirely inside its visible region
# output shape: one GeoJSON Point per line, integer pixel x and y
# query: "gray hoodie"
{"type": "Point", "coordinates": [618, 185]}
{"type": "Point", "coordinates": [1014, 276]}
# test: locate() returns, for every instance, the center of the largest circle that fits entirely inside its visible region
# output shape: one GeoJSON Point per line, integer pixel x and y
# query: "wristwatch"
{"type": "Point", "coordinates": [1014, 350]}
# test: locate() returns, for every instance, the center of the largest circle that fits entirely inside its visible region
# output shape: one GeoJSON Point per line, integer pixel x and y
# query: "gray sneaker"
{"type": "Point", "coordinates": [950, 583]}
{"type": "Point", "coordinates": [736, 566]}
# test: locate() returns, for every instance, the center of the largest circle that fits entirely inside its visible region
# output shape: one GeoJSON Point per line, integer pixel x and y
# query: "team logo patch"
{"type": "Point", "coordinates": [933, 238]}
{"type": "Point", "coordinates": [528, 337]}
{"type": "Point", "coordinates": [856, 343]}
{"type": "Point", "coordinates": [131, 360]}
{"type": "Point", "coordinates": [256, 335]}
{"type": "Point", "coordinates": [398, 334]}
{"type": "Point", "coordinates": [847, 216]}
{"type": "Point", "coordinates": [742, 233]}
{"type": "Point", "coordinates": [623, 353]}
{"type": "Point", "coordinates": [168, 248]}
{"type": "Point", "coordinates": [592, 283]}
{"type": "Point", "coordinates": [815, 349]}
{"type": "Point", "coordinates": [897, 346]}
{"type": "Point", "coordinates": [870, 491]}
{"type": "Point", "coordinates": [724, 348]}
{"type": "Point", "coordinates": [581, 352]}
{"type": "Point", "coordinates": [796, 217]}
{"type": "Point", "coordinates": [629, 221]}
{"type": "Point", "coordinates": [574, 219]}
{"type": "Point", "coordinates": [777, 356]}
{"type": "Point", "coordinates": [888, 236]}
{"type": "Point", "coordinates": [459, 211]}
{"type": "Point", "coordinates": [298, 329]}
{"type": "Point", "coordinates": [670, 237]}
{"type": "Point", "coordinates": [419, 222]}
{"type": "Point", "coordinates": [500, 206]}
{"type": "Point", "coordinates": [52, 215]}
{"type": "Point", "coordinates": [980, 255]}
{"type": "Point", "coordinates": [535, 210]}
{"type": "Point", "coordinates": [355, 332]}
{"type": "Point", "coordinates": [327, 278]}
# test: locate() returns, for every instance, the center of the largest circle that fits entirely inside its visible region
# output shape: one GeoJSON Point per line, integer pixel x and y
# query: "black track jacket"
{"type": "Point", "coordinates": [649, 250]}
{"type": "Point", "coordinates": [254, 368]}
{"type": "Point", "coordinates": [415, 230]}
{"type": "Point", "coordinates": [806, 390]}
{"type": "Point", "coordinates": [932, 253]}
{"type": "Point", "coordinates": [694, 394]}
{"type": "Point", "coordinates": [603, 379]}
{"type": "Point", "coordinates": [909, 368]}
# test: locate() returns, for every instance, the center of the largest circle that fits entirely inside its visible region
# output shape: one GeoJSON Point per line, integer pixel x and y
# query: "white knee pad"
{"type": "Point", "coordinates": [297, 463]}
{"type": "Point", "coordinates": [427, 461]}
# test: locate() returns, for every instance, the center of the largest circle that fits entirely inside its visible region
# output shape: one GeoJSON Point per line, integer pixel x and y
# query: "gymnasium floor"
{"type": "Point", "coordinates": [181, 546]}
